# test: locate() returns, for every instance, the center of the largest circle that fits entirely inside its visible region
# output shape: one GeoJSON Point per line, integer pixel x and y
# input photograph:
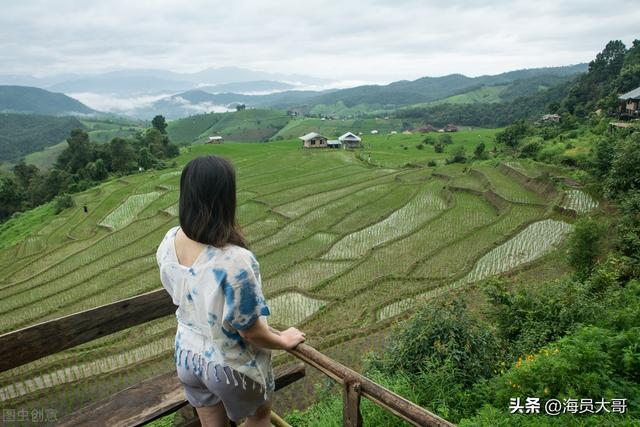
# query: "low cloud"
{"type": "Point", "coordinates": [114, 103]}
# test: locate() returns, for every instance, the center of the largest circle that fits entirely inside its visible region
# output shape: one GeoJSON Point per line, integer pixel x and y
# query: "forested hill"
{"type": "Point", "coordinates": [428, 89]}
{"type": "Point", "coordinates": [24, 99]}
{"type": "Point", "coordinates": [21, 134]}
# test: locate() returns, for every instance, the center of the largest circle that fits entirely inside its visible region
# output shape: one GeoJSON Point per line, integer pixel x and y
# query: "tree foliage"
{"type": "Point", "coordinates": [81, 165]}
{"type": "Point", "coordinates": [159, 123]}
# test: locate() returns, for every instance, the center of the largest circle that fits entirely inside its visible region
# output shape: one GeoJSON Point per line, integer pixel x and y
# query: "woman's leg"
{"type": "Point", "coordinates": [262, 417]}
{"type": "Point", "coordinates": [213, 416]}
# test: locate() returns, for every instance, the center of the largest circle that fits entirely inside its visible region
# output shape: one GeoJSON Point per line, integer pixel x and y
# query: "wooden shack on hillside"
{"type": "Point", "coordinates": [427, 128]}
{"type": "Point", "coordinates": [550, 118]}
{"type": "Point", "coordinates": [217, 139]}
{"type": "Point", "coordinates": [313, 140]}
{"type": "Point", "coordinates": [451, 128]}
{"type": "Point", "coordinates": [630, 104]}
{"type": "Point", "coordinates": [350, 140]}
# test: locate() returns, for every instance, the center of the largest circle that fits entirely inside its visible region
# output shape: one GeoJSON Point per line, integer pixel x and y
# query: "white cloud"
{"type": "Point", "coordinates": [364, 40]}
{"type": "Point", "coordinates": [116, 103]}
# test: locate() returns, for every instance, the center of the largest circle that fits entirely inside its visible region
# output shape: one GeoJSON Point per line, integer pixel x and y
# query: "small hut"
{"type": "Point", "coordinates": [427, 128]}
{"type": "Point", "coordinates": [313, 140]}
{"type": "Point", "coordinates": [334, 143]}
{"type": "Point", "coordinates": [350, 140]}
{"type": "Point", "coordinates": [550, 118]}
{"type": "Point", "coordinates": [630, 104]}
{"type": "Point", "coordinates": [217, 139]}
{"type": "Point", "coordinates": [451, 128]}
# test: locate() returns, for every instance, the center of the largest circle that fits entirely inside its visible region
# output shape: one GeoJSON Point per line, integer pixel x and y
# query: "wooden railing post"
{"type": "Point", "coordinates": [379, 395]}
{"type": "Point", "coordinates": [351, 416]}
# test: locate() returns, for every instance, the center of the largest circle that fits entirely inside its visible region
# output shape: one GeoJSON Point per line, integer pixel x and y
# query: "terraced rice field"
{"type": "Point", "coordinates": [535, 241]}
{"type": "Point", "coordinates": [342, 246]}
{"type": "Point", "coordinates": [507, 187]}
{"type": "Point", "coordinates": [126, 212]}
{"type": "Point", "coordinates": [578, 201]}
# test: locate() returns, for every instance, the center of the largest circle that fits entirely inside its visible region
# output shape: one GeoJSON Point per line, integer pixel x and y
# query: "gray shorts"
{"type": "Point", "coordinates": [240, 395]}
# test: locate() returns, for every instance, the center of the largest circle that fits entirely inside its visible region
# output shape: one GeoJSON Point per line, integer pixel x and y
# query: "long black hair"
{"type": "Point", "coordinates": [207, 206]}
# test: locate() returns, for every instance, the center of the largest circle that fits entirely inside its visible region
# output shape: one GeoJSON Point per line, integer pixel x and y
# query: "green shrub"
{"type": "Point", "coordinates": [531, 147]}
{"type": "Point", "coordinates": [458, 155]}
{"type": "Point", "coordinates": [583, 245]}
{"type": "Point", "coordinates": [445, 139]}
{"type": "Point", "coordinates": [628, 233]}
{"type": "Point", "coordinates": [528, 318]}
{"type": "Point", "coordinates": [438, 335]}
{"type": "Point", "coordinates": [429, 140]}
{"type": "Point", "coordinates": [551, 153]}
{"type": "Point", "coordinates": [591, 363]}
{"type": "Point", "coordinates": [62, 202]}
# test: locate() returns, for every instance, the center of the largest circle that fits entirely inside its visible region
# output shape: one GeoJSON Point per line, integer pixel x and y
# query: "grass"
{"type": "Point", "coordinates": [408, 233]}
{"type": "Point", "coordinates": [396, 150]}
{"type": "Point", "coordinates": [25, 224]}
{"type": "Point", "coordinates": [246, 125]}
{"type": "Point", "coordinates": [485, 94]}
{"type": "Point", "coordinates": [333, 128]}
{"type": "Point", "coordinates": [507, 187]}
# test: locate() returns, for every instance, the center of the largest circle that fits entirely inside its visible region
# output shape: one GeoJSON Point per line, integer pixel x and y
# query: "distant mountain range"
{"type": "Point", "coordinates": [177, 95]}
{"type": "Point", "coordinates": [131, 82]}
{"type": "Point", "coordinates": [454, 88]}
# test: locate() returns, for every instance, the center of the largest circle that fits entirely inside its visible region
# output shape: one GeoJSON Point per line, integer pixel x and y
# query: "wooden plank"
{"type": "Point", "coordinates": [33, 342]}
{"type": "Point", "coordinates": [152, 399]}
{"type": "Point", "coordinates": [135, 405]}
{"type": "Point", "coordinates": [379, 395]}
{"type": "Point", "coordinates": [351, 416]}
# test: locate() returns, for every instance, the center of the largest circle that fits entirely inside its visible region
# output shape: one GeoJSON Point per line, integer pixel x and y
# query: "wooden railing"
{"type": "Point", "coordinates": [162, 395]}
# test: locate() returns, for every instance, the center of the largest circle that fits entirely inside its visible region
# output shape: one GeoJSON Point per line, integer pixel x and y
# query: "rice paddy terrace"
{"type": "Point", "coordinates": [345, 248]}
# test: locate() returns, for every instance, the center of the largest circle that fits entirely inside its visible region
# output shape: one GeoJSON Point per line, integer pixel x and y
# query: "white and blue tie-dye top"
{"type": "Point", "coordinates": [219, 295]}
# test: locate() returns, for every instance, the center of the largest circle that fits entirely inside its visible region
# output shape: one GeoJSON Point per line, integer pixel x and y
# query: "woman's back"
{"type": "Point", "coordinates": [217, 295]}
{"type": "Point", "coordinates": [221, 329]}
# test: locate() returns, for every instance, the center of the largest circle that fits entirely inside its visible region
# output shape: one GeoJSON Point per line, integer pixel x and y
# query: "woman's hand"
{"type": "Point", "coordinates": [261, 335]}
{"type": "Point", "coordinates": [292, 337]}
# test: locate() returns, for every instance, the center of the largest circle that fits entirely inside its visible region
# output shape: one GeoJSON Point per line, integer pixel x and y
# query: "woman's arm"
{"type": "Point", "coordinates": [261, 335]}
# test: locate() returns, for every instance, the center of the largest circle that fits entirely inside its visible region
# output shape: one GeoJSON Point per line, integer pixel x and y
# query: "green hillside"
{"type": "Point", "coordinates": [245, 125]}
{"type": "Point", "coordinates": [43, 138]}
{"type": "Point", "coordinates": [485, 94]}
{"type": "Point", "coordinates": [24, 99]}
{"type": "Point", "coordinates": [428, 89]}
{"type": "Point", "coordinates": [344, 248]}
{"type": "Point", "coordinates": [21, 134]}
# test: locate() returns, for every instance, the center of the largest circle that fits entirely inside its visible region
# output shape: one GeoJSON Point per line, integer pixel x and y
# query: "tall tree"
{"type": "Point", "coordinates": [25, 174]}
{"type": "Point", "coordinates": [77, 154]}
{"type": "Point", "coordinates": [123, 157]}
{"type": "Point", "coordinates": [10, 197]}
{"type": "Point", "coordinates": [159, 123]}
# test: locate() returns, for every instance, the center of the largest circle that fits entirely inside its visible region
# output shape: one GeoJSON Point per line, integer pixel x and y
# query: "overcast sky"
{"type": "Point", "coordinates": [358, 40]}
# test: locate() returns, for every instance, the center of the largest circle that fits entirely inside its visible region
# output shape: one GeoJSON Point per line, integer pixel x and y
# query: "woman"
{"type": "Point", "coordinates": [222, 345]}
